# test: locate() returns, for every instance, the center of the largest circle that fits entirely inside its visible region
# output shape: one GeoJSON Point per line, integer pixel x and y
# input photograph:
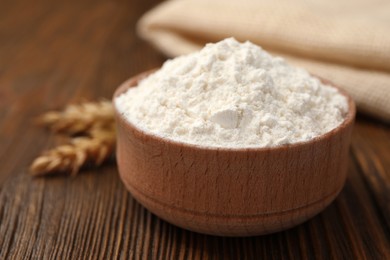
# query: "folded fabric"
{"type": "Point", "coordinates": [347, 43]}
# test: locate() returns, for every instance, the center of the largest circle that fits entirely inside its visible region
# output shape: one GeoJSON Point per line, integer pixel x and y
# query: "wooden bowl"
{"type": "Point", "coordinates": [232, 192]}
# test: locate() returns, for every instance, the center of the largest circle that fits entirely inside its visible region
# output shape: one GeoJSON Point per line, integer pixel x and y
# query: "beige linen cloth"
{"type": "Point", "coordinates": [347, 41]}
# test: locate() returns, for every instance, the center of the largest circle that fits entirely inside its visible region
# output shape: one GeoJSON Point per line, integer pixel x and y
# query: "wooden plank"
{"type": "Point", "coordinates": [371, 148]}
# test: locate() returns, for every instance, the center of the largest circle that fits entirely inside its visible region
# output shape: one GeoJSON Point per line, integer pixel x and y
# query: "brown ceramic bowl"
{"type": "Point", "coordinates": [232, 192]}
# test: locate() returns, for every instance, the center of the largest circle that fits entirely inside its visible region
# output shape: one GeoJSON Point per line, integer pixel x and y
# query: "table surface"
{"type": "Point", "coordinates": [56, 52]}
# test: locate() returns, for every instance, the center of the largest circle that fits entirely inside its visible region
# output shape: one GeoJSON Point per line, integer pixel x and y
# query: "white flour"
{"type": "Point", "coordinates": [232, 94]}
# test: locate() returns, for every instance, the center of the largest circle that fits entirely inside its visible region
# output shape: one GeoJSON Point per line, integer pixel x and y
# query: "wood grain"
{"type": "Point", "coordinates": [54, 52]}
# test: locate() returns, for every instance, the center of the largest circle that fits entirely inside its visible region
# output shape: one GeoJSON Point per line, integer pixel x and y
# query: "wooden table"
{"type": "Point", "coordinates": [55, 52]}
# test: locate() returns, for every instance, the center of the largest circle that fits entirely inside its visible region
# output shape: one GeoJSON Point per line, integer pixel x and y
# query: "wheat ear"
{"type": "Point", "coordinates": [93, 149]}
{"type": "Point", "coordinates": [79, 118]}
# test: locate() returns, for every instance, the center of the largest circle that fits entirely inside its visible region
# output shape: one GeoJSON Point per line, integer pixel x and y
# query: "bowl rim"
{"type": "Point", "coordinates": [132, 82]}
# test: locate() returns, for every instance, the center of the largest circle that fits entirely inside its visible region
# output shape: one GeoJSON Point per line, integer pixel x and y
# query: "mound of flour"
{"type": "Point", "coordinates": [232, 94]}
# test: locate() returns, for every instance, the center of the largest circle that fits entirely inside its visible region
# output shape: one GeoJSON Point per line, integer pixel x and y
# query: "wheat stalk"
{"type": "Point", "coordinates": [93, 149]}
{"type": "Point", "coordinates": [79, 118]}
